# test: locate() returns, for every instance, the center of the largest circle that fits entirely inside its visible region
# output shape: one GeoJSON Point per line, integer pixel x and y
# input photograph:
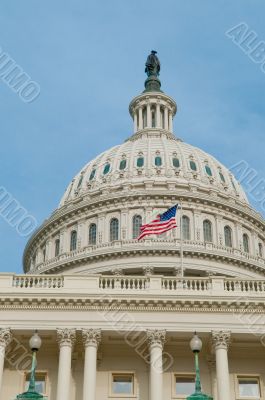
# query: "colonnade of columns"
{"type": "Point", "coordinates": [91, 340]}
{"type": "Point", "coordinates": [153, 115]}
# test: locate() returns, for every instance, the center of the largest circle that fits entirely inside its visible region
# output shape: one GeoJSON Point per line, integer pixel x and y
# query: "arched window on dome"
{"type": "Point", "coordinates": [73, 240]}
{"type": "Point", "coordinates": [92, 234]}
{"type": "Point", "coordinates": [114, 230]}
{"type": "Point", "coordinates": [260, 250]}
{"type": "Point", "coordinates": [137, 222]}
{"type": "Point", "coordinates": [193, 166]}
{"type": "Point", "coordinates": [44, 253]}
{"type": "Point", "coordinates": [228, 236]}
{"type": "Point", "coordinates": [57, 247]}
{"type": "Point", "coordinates": [207, 231]}
{"type": "Point", "coordinates": [185, 228]}
{"type": "Point", "coordinates": [245, 243]}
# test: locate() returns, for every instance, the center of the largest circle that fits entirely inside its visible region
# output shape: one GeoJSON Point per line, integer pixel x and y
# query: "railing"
{"type": "Point", "coordinates": [40, 281]}
{"type": "Point", "coordinates": [165, 244]}
{"type": "Point", "coordinates": [154, 285]}
{"type": "Point", "coordinates": [123, 283]}
{"type": "Point", "coordinates": [192, 284]}
{"type": "Point", "coordinates": [244, 286]}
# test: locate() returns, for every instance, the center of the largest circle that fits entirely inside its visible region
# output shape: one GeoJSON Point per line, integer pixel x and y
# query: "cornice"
{"type": "Point", "coordinates": [181, 305]}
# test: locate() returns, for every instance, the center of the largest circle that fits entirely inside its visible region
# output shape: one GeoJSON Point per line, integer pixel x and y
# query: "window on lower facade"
{"type": "Point", "coordinates": [248, 387]}
{"type": "Point", "coordinates": [184, 385]}
{"type": "Point", "coordinates": [123, 384]}
{"type": "Point", "coordinates": [41, 382]}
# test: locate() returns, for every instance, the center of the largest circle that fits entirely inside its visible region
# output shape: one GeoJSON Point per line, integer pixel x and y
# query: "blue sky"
{"type": "Point", "coordinates": [88, 58]}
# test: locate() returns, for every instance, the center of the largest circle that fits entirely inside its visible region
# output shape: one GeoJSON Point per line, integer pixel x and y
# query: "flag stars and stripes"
{"type": "Point", "coordinates": [162, 223]}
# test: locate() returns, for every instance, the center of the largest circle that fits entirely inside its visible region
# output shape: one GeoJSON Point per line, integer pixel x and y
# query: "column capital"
{"type": "Point", "coordinates": [221, 339]}
{"type": "Point", "coordinates": [66, 337]}
{"type": "Point", "coordinates": [91, 337]}
{"type": "Point", "coordinates": [156, 337]}
{"type": "Point", "coordinates": [5, 336]}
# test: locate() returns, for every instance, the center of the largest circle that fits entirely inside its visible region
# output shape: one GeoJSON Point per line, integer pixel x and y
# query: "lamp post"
{"type": "Point", "coordinates": [35, 344]}
{"type": "Point", "coordinates": [196, 346]}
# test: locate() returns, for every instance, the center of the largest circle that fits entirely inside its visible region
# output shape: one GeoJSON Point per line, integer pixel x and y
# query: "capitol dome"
{"type": "Point", "coordinates": [95, 228]}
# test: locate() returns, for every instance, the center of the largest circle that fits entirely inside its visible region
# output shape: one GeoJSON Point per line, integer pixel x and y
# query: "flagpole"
{"type": "Point", "coordinates": [181, 244]}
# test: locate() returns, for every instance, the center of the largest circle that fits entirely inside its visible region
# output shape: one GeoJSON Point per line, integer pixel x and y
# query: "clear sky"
{"type": "Point", "coordinates": [88, 58]}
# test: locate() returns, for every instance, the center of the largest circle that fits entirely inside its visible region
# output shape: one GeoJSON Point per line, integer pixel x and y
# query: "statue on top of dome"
{"type": "Point", "coordinates": [152, 65]}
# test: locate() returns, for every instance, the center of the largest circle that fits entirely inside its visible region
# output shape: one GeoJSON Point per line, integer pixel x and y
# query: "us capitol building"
{"type": "Point", "coordinates": [116, 314]}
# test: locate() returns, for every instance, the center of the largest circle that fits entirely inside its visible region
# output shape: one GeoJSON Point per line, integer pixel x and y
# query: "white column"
{"type": "Point", "coordinates": [66, 340]}
{"type": "Point", "coordinates": [156, 340]}
{"type": "Point", "coordinates": [166, 118]}
{"type": "Point", "coordinates": [170, 127]}
{"type": "Point", "coordinates": [148, 108]}
{"type": "Point", "coordinates": [141, 118]}
{"type": "Point", "coordinates": [91, 340]}
{"type": "Point", "coordinates": [5, 339]}
{"type": "Point", "coordinates": [135, 121]}
{"type": "Point", "coordinates": [158, 122]}
{"type": "Point", "coordinates": [221, 341]}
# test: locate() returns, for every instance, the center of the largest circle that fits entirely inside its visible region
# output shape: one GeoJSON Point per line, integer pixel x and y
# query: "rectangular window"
{"type": "Point", "coordinates": [41, 382]}
{"type": "Point", "coordinates": [248, 387]}
{"type": "Point", "coordinates": [123, 384]}
{"type": "Point", "coordinates": [184, 385]}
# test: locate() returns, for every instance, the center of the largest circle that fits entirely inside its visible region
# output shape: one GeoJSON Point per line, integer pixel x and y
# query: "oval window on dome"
{"type": "Point", "coordinates": [123, 164]}
{"type": "Point", "coordinates": [158, 161]}
{"type": "Point", "coordinates": [193, 166]}
{"type": "Point", "coordinates": [208, 170]}
{"type": "Point", "coordinates": [140, 162]}
{"type": "Point", "coordinates": [222, 177]}
{"type": "Point", "coordinates": [92, 175]}
{"type": "Point", "coordinates": [106, 169]}
{"type": "Point", "coordinates": [175, 162]}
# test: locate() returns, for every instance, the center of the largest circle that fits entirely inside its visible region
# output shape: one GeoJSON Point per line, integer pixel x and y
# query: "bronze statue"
{"type": "Point", "coordinates": [152, 65]}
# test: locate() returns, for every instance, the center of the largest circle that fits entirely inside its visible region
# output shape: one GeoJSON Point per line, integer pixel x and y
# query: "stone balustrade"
{"type": "Point", "coordinates": [189, 246]}
{"type": "Point", "coordinates": [146, 285]}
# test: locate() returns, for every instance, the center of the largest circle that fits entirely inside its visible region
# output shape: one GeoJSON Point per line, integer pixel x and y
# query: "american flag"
{"type": "Point", "coordinates": [163, 223]}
